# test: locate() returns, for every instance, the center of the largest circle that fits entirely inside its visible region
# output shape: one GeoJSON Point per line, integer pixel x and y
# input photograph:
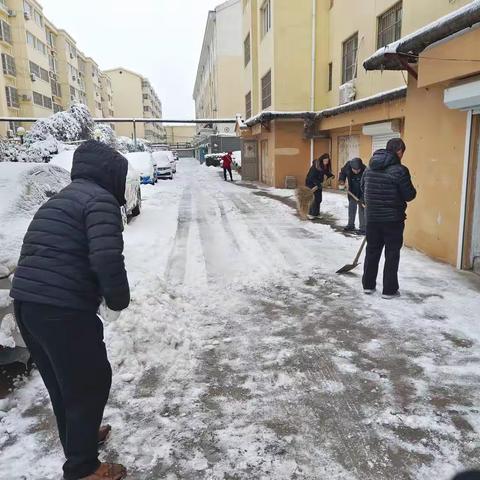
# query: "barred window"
{"type": "Point", "coordinates": [266, 17]}
{"type": "Point", "coordinates": [390, 25]}
{"type": "Point", "coordinates": [246, 50]}
{"type": "Point", "coordinates": [350, 49]}
{"type": "Point", "coordinates": [248, 105]}
{"type": "Point", "coordinates": [267, 90]}
{"type": "Point", "coordinates": [5, 32]}
{"type": "Point", "coordinates": [38, 99]}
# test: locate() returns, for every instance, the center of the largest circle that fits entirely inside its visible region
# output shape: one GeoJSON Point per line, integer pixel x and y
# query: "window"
{"type": "Point", "coordinates": [34, 42]}
{"type": "Point", "coordinates": [266, 17]}
{"type": "Point", "coordinates": [51, 39]}
{"type": "Point", "coordinates": [8, 63]}
{"type": "Point", "coordinates": [248, 105]}
{"type": "Point", "coordinates": [57, 108]}
{"type": "Point", "coordinates": [38, 99]}
{"type": "Point", "coordinates": [146, 108]}
{"type": "Point", "coordinates": [31, 39]}
{"type": "Point", "coordinates": [5, 32]}
{"type": "Point", "coordinates": [390, 26]}
{"type": "Point", "coordinates": [73, 92]}
{"type": "Point", "coordinates": [38, 18]}
{"type": "Point", "coordinates": [246, 50]}
{"type": "Point", "coordinates": [47, 102]}
{"type": "Point", "coordinates": [330, 76]}
{"type": "Point", "coordinates": [34, 69]}
{"type": "Point", "coordinates": [350, 49]}
{"type": "Point", "coordinates": [145, 96]}
{"type": "Point", "coordinates": [27, 8]}
{"type": "Point", "coordinates": [12, 97]}
{"type": "Point", "coordinates": [56, 90]}
{"type": "Point", "coordinates": [53, 63]}
{"type": "Point", "coordinates": [267, 90]}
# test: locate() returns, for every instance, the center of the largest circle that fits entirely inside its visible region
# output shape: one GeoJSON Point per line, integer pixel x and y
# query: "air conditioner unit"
{"type": "Point", "coordinates": [26, 15]}
{"type": "Point", "coordinates": [52, 75]}
{"type": "Point", "coordinates": [53, 53]}
{"type": "Point", "coordinates": [10, 133]}
{"type": "Point", "coordinates": [72, 98]}
{"type": "Point", "coordinates": [74, 78]}
{"type": "Point", "coordinates": [347, 92]}
{"type": "Point", "coordinates": [26, 98]}
{"type": "Point", "coordinates": [80, 74]}
{"type": "Point", "coordinates": [33, 77]}
{"type": "Point", "coordinates": [12, 13]}
{"type": "Point", "coordinates": [71, 56]}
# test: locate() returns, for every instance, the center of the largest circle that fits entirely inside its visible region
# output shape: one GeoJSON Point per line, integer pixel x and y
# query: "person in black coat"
{"type": "Point", "coordinates": [315, 178]}
{"type": "Point", "coordinates": [71, 258]}
{"type": "Point", "coordinates": [387, 187]}
{"type": "Point", "coordinates": [353, 173]}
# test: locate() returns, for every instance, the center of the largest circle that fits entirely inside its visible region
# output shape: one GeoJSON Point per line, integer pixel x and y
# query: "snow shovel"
{"type": "Point", "coordinates": [349, 267]}
{"type": "Point", "coordinates": [305, 197]}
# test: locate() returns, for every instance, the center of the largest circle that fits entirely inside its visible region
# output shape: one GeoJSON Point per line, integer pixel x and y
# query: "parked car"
{"type": "Point", "coordinates": [24, 188]}
{"type": "Point", "coordinates": [143, 163]}
{"type": "Point", "coordinates": [173, 160]}
{"type": "Point", "coordinates": [133, 192]}
{"type": "Point", "coordinates": [164, 164]}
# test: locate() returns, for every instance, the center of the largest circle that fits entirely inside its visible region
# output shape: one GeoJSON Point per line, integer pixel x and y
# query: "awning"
{"type": "Point", "coordinates": [397, 55]}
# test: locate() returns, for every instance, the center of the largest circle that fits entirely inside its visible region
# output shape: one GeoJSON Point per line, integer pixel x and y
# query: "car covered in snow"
{"type": "Point", "coordinates": [173, 160]}
{"type": "Point", "coordinates": [24, 188]}
{"type": "Point", "coordinates": [133, 193]}
{"type": "Point", "coordinates": [164, 164]}
{"type": "Point", "coordinates": [144, 164]}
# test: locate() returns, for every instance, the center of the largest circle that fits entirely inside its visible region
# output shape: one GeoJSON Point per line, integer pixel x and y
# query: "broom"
{"type": "Point", "coordinates": [305, 197]}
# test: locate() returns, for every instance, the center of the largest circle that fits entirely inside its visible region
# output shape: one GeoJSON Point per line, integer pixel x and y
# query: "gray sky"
{"type": "Point", "coordinates": [161, 39]}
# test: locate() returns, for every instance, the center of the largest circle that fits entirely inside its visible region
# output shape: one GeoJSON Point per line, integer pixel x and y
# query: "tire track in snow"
{"type": "Point", "coordinates": [176, 265]}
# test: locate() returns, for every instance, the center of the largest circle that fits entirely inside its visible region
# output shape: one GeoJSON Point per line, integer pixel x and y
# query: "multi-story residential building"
{"type": "Point", "coordinates": [218, 85]}
{"type": "Point", "coordinates": [134, 97]}
{"type": "Point", "coordinates": [106, 96]}
{"type": "Point", "coordinates": [43, 71]}
{"type": "Point", "coordinates": [306, 93]}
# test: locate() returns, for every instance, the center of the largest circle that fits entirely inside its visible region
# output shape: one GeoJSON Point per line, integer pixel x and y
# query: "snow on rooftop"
{"type": "Point", "coordinates": [405, 44]}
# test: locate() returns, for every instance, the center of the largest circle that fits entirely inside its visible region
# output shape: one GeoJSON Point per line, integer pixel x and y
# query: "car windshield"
{"type": "Point", "coordinates": [162, 159]}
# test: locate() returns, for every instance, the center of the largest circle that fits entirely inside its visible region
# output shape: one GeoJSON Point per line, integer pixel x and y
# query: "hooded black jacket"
{"type": "Point", "coordinates": [387, 187]}
{"type": "Point", "coordinates": [72, 253]}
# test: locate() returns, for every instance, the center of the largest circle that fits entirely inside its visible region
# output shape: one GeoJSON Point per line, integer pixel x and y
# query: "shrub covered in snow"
{"type": "Point", "coordinates": [105, 133]}
{"type": "Point", "coordinates": [127, 145]}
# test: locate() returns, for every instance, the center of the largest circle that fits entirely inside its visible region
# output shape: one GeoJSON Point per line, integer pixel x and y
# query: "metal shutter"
{"type": "Point", "coordinates": [380, 141]}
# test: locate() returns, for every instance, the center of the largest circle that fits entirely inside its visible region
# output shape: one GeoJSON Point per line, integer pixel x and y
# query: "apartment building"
{"type": "Point", "coordinates": [219, 83]}
{"type": "Point", "coordinates": [134, 97]}
{"type": "Point", "coordinates": [43, 71]}
{"type": "Point", "coordinates": [307, 92]}
{"type": "Point", "coordinates": [106, 92]}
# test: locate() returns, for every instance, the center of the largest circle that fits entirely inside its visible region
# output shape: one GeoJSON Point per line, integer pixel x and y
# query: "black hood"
{"type": "Point", "coordinates": [102, 165]}
{"type": "Point", "coordinates": [382, 159]}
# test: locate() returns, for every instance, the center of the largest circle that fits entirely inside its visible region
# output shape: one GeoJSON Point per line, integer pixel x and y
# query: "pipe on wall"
{"type": "Point", "coordinates": [313, 65]}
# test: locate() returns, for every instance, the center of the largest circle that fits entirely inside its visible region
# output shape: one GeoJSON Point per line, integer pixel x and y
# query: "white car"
{"type": "Point", "coordinates": [133, 193]}
{"type": "Point", "coordinates": [164, 164]}
{"type": "Point", "coordinates": [144, 164]}
{"type": "Point", "coordinates": [173, 160]}
{"type": "Point", "coordinates": [24, 188]}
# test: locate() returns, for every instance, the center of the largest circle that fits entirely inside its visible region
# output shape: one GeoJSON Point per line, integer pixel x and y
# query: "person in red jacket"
{"type": "Point", "coordinates": [227, 165]}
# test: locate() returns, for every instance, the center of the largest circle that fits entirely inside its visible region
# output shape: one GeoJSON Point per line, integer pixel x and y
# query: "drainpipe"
{"type": "Point", "coordinates": [312, 86]}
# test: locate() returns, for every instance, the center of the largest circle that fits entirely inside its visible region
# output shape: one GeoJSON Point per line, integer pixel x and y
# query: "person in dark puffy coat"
{"type": "Point", "coordinates": [71, 258]}
{"type": "Point", "coordinates": [352, 173]}
{"type": "Point", "coordinates": [315, 178]}
{"type": "Point", "coordinates": [387, 187]}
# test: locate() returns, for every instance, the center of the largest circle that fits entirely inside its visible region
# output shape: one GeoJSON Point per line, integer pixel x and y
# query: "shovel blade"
{"type": "Point", "coordinates": [348, 268]}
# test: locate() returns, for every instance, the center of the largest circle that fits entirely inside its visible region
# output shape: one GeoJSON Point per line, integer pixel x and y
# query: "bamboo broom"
{"type": "Point", "coordinates": [305, 197]}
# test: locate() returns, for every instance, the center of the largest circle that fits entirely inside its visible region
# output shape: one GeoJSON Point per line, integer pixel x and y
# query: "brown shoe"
{"type": "Point", "coordinates": [103, 434]}
{"type": "Point", "coordinates": [108, 471]}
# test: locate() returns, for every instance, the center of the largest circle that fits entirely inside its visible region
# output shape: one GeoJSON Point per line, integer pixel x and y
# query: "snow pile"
{"type": "Point", "coordinates": [127, 145]}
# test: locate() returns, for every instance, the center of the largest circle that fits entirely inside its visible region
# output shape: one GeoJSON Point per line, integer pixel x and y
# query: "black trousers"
{"type": "Point", "coordinates": [229, 170]}
{"type": "Point", "coordinates": [67, 347]}
{"type": "Point", "coordinates": [315, 208]}
{"type": "Point", "coordinates": [388, 235]}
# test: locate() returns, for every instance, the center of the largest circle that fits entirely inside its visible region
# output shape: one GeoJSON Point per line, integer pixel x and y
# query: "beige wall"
{"type": "Point", "coordinates": [180, 133]}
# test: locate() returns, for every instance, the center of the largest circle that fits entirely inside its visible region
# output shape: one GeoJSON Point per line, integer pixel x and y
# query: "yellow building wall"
{"type": "Point", "coordinates": [250, 26]}
{"type": "Point", "coordinates": [292, 37]}
{"type": "Point", "coordinates": [266, 60]}
{"type": "Point", "coordinates": [229, 105]}
{"type": "Point", "coordinates": [435, 139]}
{"type": "Point", "coordinates": [180, 133]}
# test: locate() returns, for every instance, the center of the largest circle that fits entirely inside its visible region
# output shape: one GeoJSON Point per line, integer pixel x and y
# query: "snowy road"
{"type": "Point", "coordinates": [243, 356]}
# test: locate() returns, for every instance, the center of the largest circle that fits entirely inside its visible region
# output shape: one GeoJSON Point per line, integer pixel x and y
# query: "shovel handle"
{"type": "Point", "coordinates": [360, 250]}
{"type": "Point", "coordinates": [356, 198]}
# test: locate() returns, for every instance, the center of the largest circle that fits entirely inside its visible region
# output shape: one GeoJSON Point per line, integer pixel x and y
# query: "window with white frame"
{"type": "Point", "coordinates": [12, 97]}
{"type": "Point", "coordinates": [8, 63]}
{"type": "Point", "coordinates": [349, 65]}
{"type": "Point", "coordinates": [390, 26]}
{"type": "Point", "coordinates": [37, 16]}
{"type": "Point", "coordinates": [27, 8]}
{"type": "Point", "coordinates": [5, 32]}
{"type": "Point", "coordinates": [266, 17]}
{"type": "Point", "coordinates": [52, 63]}
{"type": "Point", "coordinates": [56, 89]}
{"type": "Point", "coordinates": [38, 99]}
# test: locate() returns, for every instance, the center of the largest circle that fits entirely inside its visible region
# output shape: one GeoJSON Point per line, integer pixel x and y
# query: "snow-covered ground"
{"type": "Point", "coordinates": [243, 355]}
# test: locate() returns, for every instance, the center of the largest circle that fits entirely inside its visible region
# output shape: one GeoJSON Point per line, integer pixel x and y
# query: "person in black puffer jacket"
{"type": "Point", "coordinates": [315, 178]}
{"type": "Point", "coordinates": [71, 258]}
{"type": "Point", "coordinates": [387, 187]}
